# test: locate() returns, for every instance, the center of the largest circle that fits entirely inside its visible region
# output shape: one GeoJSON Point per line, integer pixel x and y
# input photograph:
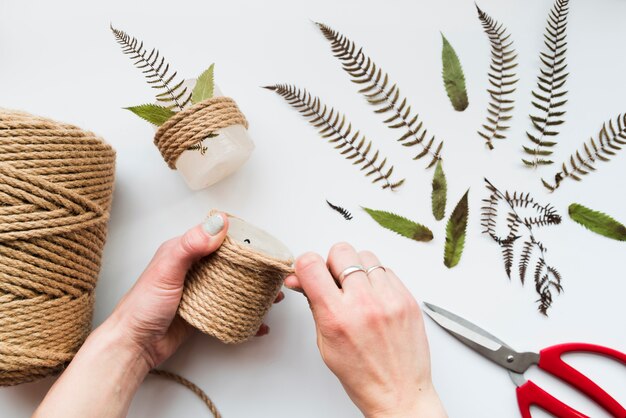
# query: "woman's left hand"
{"type": "Point", "coordinates": [147, 313]}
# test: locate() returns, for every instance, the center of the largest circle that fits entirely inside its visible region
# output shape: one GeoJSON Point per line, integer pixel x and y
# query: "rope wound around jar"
{"type": "Point", "coordinates": [194, 124]}
{"type": "Point", "coordinates": [228, 293]}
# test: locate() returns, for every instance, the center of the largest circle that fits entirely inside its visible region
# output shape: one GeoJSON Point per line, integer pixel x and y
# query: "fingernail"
{"type": "Point", "coordinates": [263, 330]}
{"type": "Point", "coordinates": [214, 224]}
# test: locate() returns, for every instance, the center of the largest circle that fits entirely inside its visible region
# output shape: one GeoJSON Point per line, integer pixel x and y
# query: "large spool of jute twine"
{"type": "Point", "coordinates": [56, 185]}
{"type": "Point", "coordinates": [228, 293]}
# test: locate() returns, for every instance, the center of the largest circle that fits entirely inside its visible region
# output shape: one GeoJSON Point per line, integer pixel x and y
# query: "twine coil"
{"type": "Point", "coordinates": [56, 186]}
{"type": "Point", "coordinates": [194, 124]}
{"type": "Point", "coordinates": [228, 293]}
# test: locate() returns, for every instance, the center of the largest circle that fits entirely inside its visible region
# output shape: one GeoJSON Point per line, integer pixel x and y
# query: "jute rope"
{"type": "Point", "coordinates": [191, 386]}
{"type": "Point", "coordinates": [56, 185]}
{"type": "Point", "coordinates": [194, 124]}
{"type": "Point", "coordinates": [228, 293]}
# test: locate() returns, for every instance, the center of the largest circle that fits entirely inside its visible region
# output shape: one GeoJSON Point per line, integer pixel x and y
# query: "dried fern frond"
{"type": "Point", "coordinates": [548, 97]}
{"type": "Point", "coordinates": [334, 127]}
{"type": "Point", "coordinates": [547, 278]}
{"type": "Point", "coordinates": [156, 70]}
{"type": "Point", "coordinates": [199, 146]}
{"type": "Point", "coordinates": [582, 162]}
{"type": "Point", "coordinates": [384, 95]}
{"type": "Point", "coordinates": [343, 212]}
{"type": "Point", "coordinates": [501, 77]}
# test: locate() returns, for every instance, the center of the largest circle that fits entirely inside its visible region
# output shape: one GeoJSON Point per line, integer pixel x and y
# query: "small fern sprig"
{"type": "Point", "coordinates": [343, 212]}
{"type": "Point", "coordinates": [383, 95]}
{"type": "Point", "coordinates": [581, 163]}
{"type": "Point", "coordinates": [156, 70]}
{"type": "Point", "coordinates": [501, 77]}
{"type": "Point", "coordinates": [549, 95]}
{"type": "Point", "coordinates": [547, 278]}
{"type": "Point", "coordinates": [334, 127]}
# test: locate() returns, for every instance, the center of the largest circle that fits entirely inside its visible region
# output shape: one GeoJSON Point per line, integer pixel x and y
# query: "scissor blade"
{"type": "Point", "coordinates": [479, 340]}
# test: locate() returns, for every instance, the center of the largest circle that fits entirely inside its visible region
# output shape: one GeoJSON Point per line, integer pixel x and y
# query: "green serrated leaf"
{"type": "Point", "coordinates": [154, 114]}
{"type": "Point", "coordinates": [401, 225]}
{"type": "Point", "coordinates": [453, 78]}
{"type": "Point", "coordinates": [440, 189]}
{"type": "Point", "coordinates": [455, 233]}
{"type": "Point", "coordinates": [597, 222]}
{"type": "Point", "coordinates": [204, 86]}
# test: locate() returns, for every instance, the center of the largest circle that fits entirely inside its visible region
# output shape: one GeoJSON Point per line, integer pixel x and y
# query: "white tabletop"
{"type": "Point", "coordinates": [59, 59]}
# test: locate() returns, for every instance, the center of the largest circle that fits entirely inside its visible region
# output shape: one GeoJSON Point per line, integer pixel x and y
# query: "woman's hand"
{"type": "Point", "coordinates": [141, 333]}
{"type": "Point", "coordinates": [147, 313]}
{"type": "Point", "coordinates": [370, 334]}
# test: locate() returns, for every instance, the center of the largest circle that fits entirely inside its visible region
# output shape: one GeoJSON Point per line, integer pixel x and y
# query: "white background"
{"type": "Point", "coordinates": [59, 59]}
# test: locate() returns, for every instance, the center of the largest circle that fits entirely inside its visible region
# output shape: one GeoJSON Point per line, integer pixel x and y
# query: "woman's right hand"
{"type": "Point", "coordinates": [370, 333]}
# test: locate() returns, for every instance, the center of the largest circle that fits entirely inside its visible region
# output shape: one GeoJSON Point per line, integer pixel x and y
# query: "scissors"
{"type": "Point", "coordinates": [548, 359]}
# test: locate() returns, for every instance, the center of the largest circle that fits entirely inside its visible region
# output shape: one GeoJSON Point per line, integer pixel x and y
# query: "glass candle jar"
{"type": "Point", "coordinates": [215, 157]}
{"type": "Point", "coordinates": [259, 240]}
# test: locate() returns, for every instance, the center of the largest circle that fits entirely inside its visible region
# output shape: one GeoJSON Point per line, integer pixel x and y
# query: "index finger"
{"type": "Point", "coordinates": [316, 281]}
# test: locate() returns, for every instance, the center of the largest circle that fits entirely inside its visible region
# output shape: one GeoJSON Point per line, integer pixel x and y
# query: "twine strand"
{"type": "Point", "coordinates": [191, 386]}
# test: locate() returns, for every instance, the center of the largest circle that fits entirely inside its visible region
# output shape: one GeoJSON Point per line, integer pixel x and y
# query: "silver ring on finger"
{"type": "Point", "coordinates": [349, 270]}
{"type": "Point", "coordinates": [371, 269]}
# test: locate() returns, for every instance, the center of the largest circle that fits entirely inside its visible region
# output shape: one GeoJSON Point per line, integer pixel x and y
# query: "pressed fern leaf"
{"type": "Point", "coordinates": [455, 233]}
{"type": "Point", "coordinates": [525, 257]}
{"type": "Point", "coordinates": [343, 212]}
{"type": "Point", "coordinates": [502, 79]}
{"type": "Point", "coordinates": [156, 70]}
{"type": "Point", "coordinates": [549, 96]}
{"type": "Point", "coordinates": [155, 114]}
{"type": "Point", "coordinates": [439, 193]}
{"type": "Point", "coordinates": [508, 255]}
{"type": "Point", "coordinates": [610, 140]}
{"type": "Point", "coordinates": [204, 86]}
{"type": "Point", "coordinates": [453, 77]}
{"type": "Point", "coordinates": [334, 127]}
{"type": "Point", "coordinates": [598, 222]}
{"type": "Point", "coordinates": [547, 278]}
{"type": "Point", "coordinates": [384, 95]}
{"type": "Point", "coordinates": [400, 225]}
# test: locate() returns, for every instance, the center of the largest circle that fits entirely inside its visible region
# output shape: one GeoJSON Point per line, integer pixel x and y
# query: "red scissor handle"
{"type": "Point", "coordinates": [530, 394]}
{"type": "Point", "coordinates": [550, 361]}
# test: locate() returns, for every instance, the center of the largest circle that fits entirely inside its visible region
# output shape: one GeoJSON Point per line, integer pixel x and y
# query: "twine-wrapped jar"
{"type": "Point", "coordinates": [207, 141]}
{"type": "Point", "coordinates": [228, 293]}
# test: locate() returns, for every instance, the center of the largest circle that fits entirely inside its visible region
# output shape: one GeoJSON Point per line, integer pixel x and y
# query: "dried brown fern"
{"type": "Point", "coordinates": [546, 277]}
{"type": "Point", "coordinates": [383, 95]}
{"type": "Point", "coordinates": [334, 127]}
{"type": "Point", "coordinates": [156, 70]}
{"type": "Point", "coordinates": [548, 98]}
{"type": "Point", "coordinates": [581, 163]}
{"type": "Point", "coordinates": [340, 210]}
{"type": "Point", "coordinates": [501, 77]}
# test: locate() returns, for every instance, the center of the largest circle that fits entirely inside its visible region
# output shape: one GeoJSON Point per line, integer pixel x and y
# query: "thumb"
{"type": "Point", "coordinates": [174, 258]}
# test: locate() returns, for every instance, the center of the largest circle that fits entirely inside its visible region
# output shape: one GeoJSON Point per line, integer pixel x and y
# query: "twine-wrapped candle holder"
{"type": "Point", "coordinates": [228, 293]}
{"type": "Point", "coordinates": [207, 141]}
